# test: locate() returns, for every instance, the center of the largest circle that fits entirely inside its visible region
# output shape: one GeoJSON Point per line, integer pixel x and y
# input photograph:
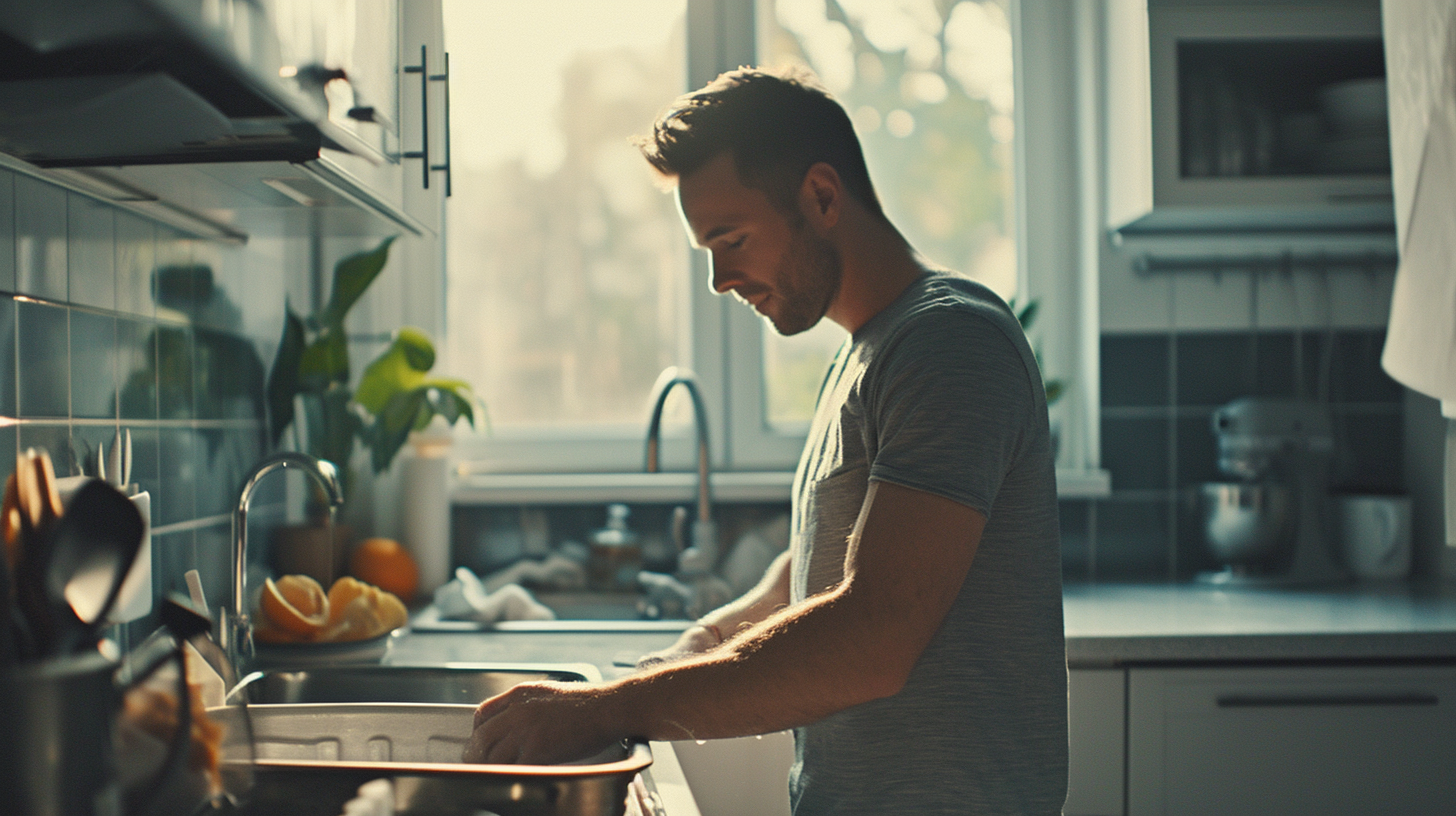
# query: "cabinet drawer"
{"type": "Point", "coordinates": [1355, 740]}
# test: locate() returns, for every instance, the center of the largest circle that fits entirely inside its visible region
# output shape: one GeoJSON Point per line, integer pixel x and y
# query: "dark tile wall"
{"type": "Point", "coordinates": [1159, 392]}
{"type": "Point", "coordinates": [109, 322]}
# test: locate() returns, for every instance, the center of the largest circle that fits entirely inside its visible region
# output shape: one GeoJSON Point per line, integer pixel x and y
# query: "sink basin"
{"type": "Point", "coordinates": [456, 683]}
{"type": "Point", "coordinates": [320, 733]}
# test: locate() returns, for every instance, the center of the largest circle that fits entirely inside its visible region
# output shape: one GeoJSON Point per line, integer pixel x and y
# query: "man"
{"type": "Point", "coordinates": [912, 634]}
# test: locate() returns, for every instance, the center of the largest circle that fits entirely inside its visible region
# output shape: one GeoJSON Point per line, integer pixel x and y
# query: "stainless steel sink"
{"type": "Point", "coordinates": [320, 733]}
{"type": "Point", "coordinates": [462, 683]}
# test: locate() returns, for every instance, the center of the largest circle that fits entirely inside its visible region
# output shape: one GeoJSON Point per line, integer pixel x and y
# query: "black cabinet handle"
{"type": "Point", "coordinates": [424, 152]}
{"type": "Point", "coordinates": [1326, 700]}
{"type": "Point", "coordinates": [445, 77]}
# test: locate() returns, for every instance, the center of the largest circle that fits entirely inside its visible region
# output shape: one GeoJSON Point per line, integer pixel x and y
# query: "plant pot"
{"type": "Point", "coordinates": [307, 549]}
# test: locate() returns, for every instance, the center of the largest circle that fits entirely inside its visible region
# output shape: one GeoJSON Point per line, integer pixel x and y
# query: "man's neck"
{"type": "Point", "coordinates": [878, 264]}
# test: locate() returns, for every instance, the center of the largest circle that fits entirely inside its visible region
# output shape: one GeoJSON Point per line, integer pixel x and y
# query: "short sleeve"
{"type": "Point", "coordinates": [949, 402]}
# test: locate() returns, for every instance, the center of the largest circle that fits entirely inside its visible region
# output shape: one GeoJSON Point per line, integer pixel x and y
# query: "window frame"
{"type": "Point", "coordinates": [724, 344]}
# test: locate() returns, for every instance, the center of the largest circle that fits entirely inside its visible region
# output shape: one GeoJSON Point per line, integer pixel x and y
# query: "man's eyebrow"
{"type": "Point", "coordinates": [716, 232]}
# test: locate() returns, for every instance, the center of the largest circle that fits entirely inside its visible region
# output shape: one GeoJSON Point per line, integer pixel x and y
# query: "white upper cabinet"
{"type": "Point", "coordinates": [1246, 116]}
{"type": "Point", "coordinates": [398, 105]}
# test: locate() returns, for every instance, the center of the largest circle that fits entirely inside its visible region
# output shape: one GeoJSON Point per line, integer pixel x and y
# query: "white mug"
{"type": "Point", "coordinates": [1375, 535]}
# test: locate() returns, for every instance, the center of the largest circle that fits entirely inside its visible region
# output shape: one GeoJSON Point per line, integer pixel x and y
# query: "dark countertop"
{"type": "Point", "coordinates": [1106, 625]}
{"type": "Point", "coordinates": [1119, 624]}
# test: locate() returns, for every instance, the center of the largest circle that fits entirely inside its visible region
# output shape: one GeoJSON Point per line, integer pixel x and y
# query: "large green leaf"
{"type": "Point", "coordinates": [325, 362]}
{"type": "Point", "coordinates": [392, 425]}
{"type": "Point", "coordinates": [283, 379]}
{"type": "Point", "coordinates": [412, 410]}
{"type": "Point", "coordinates": [351, 277]}
{"type": "Point", "coordinates": [400, 368]}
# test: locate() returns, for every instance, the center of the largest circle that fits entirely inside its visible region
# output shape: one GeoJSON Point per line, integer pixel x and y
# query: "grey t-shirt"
{"type": "Point", "coordinates": [940, 392]}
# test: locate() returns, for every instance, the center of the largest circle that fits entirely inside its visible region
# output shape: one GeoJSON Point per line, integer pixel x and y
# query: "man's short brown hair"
{"type": "Point", "coordinates": [776, 125]}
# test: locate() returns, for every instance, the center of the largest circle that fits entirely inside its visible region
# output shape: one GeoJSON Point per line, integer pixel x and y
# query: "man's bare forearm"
{"type": "Point", "coordinates": [767, 597]}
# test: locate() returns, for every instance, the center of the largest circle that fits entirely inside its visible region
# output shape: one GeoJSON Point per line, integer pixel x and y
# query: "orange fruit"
{"type": "Point", "coordinates": [295, 604]}
{"type": "Point", "coordinates": [358, 611]}
{"type": "Point", "coordinates": [385, 564]}
{"type": "Point", "coordinates": [341, 594]}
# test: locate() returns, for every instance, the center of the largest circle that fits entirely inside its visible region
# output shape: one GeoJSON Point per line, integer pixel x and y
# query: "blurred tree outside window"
{"type": "Point", "coordinates": [567, 265]}
{"type": "Point", "coordinates": [569, 276]}
{"type": "Point", "coordinates": [928, 85]}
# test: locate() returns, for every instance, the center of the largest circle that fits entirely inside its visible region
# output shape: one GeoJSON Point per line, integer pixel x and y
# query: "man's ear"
{"type": "Point", "coordinates": [821, 196]}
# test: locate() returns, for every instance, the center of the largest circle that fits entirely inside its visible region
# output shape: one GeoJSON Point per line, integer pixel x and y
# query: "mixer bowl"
{"type": "Point", "coordinates": [1248, 524]}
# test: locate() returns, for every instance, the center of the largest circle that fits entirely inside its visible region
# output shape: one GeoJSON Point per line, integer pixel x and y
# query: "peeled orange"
{"type": "Point", "coordinates": [295, 604]}
{"type": "Point", "coordinates": [387, 565]}
{"type": "Point", "coordinates": [358, 611]}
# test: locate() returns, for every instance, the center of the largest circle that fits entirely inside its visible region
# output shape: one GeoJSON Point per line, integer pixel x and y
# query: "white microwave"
{"type": "Point", "coordinates": [1247, 116]}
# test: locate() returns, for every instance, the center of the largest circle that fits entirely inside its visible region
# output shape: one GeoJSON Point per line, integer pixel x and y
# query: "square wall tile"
{"type": "Point", "coordinates": [7, 357]}
{"type": "Point", "coordinates": [7, 231]}
{"type": "Point", "coordinates": [136, 257]}
{"type": "Point", "coordinates": [145, 466]}
{"type": "Point", "coordinates": [220, 467]}
{"type": "Point", "coordinates": [136, 368]}
{"type": "Point", "coordinates": [1135, 452]}
{"type": "Point", "coordinates": [9, 446]}
{"type": "Point", "coordinates": [1194, 555]}
{"type": "Point", "coordinates": [1275, 374]}
{"type": "Point", "coordinates": [174, 371]}
{"type": "Point", "coordinates": [40, 239]}
{"type": "Point", "coordinates": [93, 365]}
{"type": "Point", "coordinates": [1132, 540]}
{"type": "Point", "coordinates": [55, 440]}
{"type": "Point", "coordinates": [214, 563]}
{"type": "Point", "coordinates": [1135, 370]}
{"type": "Point", "coordinates": [228, 376]}
{"type": "Point", "coordinates": [1356, 373]}
{"type": "Point", "coordinates": [176, 498]}
{"type": "Point", "coordinates": [172, 555]}
{"type": "Point", "coordinates": [1214, 367]}
{"type": "Point", "coordinates": [1197, 451]}
{"type": "Point", "coordinates": [88, 444]}
{"type": "Point", "coordinates": [45, 373]}
{"type": "Point", "coordinates": [91, 255]}
{"type": "Point", "coordinates": [1369, 453]}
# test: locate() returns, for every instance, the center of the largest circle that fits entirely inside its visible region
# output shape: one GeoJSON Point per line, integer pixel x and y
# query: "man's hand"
{"type": "Point", "coordinates": [541, 724]}
{"type": "Point", "coordinates": [694, 640]}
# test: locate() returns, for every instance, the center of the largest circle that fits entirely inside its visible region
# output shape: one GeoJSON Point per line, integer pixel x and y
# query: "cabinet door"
{"type": "Point", "coordinates": [1286, 741]}
{"type": "Point", "coordinates": [1095, 725]}
{"type": "Point", "coordinates": [423, 111]}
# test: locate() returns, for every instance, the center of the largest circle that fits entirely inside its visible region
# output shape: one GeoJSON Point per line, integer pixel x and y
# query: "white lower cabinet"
{"type": "Point", "coordinates": [1290, 741]}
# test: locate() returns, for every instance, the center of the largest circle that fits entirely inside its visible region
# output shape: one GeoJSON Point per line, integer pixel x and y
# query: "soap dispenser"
{"type": "Point", "coordinates": [616, 557]}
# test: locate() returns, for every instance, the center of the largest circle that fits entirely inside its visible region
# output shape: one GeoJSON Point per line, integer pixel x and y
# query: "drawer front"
{"type": "Point", "coordinates": [1289, 741]}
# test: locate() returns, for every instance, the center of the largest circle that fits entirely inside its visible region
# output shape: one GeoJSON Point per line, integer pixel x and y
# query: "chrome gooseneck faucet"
{"type": "Point", "coordinates": [238, 633]}
{"type": "Point", "coordinates": [704, 534]}
{"type": "Point", "coordinates": [694, 590]}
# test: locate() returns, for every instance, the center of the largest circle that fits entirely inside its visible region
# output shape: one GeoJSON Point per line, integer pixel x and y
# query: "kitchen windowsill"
{"type": "Point", "coordinates": [649, 488]}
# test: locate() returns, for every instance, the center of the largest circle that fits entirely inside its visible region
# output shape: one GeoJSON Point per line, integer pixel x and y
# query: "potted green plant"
{"type": "Point", "coordinates": [309, 385]}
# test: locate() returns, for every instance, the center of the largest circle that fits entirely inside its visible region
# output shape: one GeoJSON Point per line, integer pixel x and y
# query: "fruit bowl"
{"type": "Point", "coordinates": [323, 653]}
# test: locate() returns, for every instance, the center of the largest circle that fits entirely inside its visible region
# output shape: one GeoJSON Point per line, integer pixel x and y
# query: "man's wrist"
{"type": "Point", "coordinates": [712, 629]}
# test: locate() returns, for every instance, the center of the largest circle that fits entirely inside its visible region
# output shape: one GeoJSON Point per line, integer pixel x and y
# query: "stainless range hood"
{"type": "Point", "coordinates": [123, 82]}
{"type": "Point", "coordinates": [134, 101]}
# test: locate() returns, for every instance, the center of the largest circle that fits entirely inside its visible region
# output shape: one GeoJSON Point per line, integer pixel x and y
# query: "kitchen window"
{"type": "Point", "coordinates": [571, 284]}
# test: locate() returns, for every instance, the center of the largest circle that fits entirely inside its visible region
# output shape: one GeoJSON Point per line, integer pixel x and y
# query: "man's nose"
{"type": "Point", "coordinates": [719, 278]}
